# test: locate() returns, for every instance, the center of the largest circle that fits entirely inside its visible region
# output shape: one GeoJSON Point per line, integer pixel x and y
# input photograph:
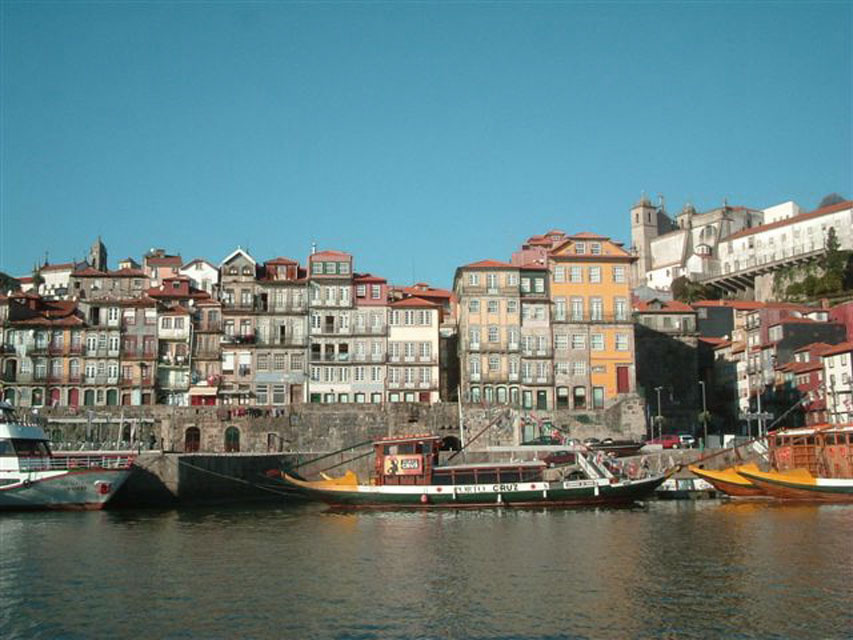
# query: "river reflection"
{"type": "Point", "coordinates": [676, 570]}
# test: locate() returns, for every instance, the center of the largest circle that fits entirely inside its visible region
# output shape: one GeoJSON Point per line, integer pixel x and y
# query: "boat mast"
{"type": "Point", "coordinates": [461, 425]}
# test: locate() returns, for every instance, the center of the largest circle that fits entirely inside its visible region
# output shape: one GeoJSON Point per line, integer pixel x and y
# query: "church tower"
{"type": "Point", "coordinates": [644, 229]}
{"type": "Point", "coordinates": [98, 255]}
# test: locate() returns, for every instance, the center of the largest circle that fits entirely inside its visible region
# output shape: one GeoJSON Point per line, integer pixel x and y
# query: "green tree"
{"type": "Point", "coordinates": [685, 290]}
{"type": "Point", "coordinates": [8, 283]}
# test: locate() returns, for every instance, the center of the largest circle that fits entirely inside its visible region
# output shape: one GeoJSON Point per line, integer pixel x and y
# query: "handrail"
{"type": "Point", "coordinates": [67, 463]}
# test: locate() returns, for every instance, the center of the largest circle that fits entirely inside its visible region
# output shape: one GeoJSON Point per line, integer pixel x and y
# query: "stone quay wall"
{"type": "Point", "coordinates": [321, 428]}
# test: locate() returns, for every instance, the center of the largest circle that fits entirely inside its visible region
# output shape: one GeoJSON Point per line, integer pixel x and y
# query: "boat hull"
{"type": "Point", "coordinates": [521, 494]}
{"type": "Point", "coordinates": [801, 485]}
{"type": "Point", "coordinates": [72, 490]}
{"type": "Point", "coordinates": [730, 481]}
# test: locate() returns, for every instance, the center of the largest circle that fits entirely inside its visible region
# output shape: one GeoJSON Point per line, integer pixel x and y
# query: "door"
{"type": "Point", "coordinates": [622, 385]}
{"type": "Point", "coordinates": [54, 397]}
{"type": "Point", "coordinates": [74, 398]}
{"type": "Point", "coordinates": [192, 439]}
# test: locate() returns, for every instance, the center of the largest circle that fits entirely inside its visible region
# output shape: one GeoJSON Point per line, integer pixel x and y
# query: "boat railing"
{"type": "Point", "coordinates": [592, 468]}
{"type": "Point", "coordinates": [75, 462]}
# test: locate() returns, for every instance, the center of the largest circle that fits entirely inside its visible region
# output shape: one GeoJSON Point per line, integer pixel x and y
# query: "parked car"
{"type": "Point", "coordinates": [687, 440]}
{"type": "Point", "coordinates": [590, 441]}
{"type": "Point", "coordinates": [667, 441]}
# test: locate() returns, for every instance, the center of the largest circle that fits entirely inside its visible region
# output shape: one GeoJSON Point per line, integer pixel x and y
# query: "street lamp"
{"type": "Point", "coordinates": [659, 419]}
{"type": "Point", "coordinates": [704, 416]}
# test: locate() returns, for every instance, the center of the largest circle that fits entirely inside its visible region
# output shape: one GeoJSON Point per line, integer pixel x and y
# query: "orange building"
{"type": "Point", "coordinates": [591, 321]}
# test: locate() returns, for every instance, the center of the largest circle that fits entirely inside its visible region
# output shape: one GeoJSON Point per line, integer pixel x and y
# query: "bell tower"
{"type": "Point", "coordinates": [644, 229]}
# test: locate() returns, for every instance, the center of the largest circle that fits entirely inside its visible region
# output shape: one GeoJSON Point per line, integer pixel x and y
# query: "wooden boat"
{"type": "Point", "coordinates": [730, 481]}
{"type": "Point", "coordinates": [407, 475]}
{"type": "Point", "coordinates": [619, 448]}
{"type": "Point", "coordinates": [800, 484]}
{"type": "Point", "coordinates": [32, 477]}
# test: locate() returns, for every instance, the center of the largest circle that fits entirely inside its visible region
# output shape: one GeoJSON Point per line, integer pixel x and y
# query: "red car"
{"type": "Point", "coordinates": [667, 441]}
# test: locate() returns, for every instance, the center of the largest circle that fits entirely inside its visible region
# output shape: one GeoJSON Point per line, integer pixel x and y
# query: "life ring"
{"type": "Point", "coordinates": [424, 498]}
{"type": "Point", "coordinates": [103, 487]}
{"type": "Point", "coordinates": [26, 483]}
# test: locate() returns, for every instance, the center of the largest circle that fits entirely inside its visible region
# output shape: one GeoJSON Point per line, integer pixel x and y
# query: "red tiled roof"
{"type": "Point", "coordinates": [25, 279]}
{"type": "Point", "coordinates": [841, 206]}
{"type": "Point", "coordinates": [165, 261]}
{"type": "Point", "coordinates": [428, 291]}
{"type": "Point", "coordinates": [128, 273]}
{"type": "Point", "coordinates": [588, 235]}
{"type": "Point", "coordinates": [816, 346]}
{"type": "Point", "coordinates": [796, 320]}
{"type": "Point", "coordinates": [367, 277]}
{"type": "Point", "coordinates": [834, 350]}
{"type": "Point", "coordinates": [533, 266]}
{"type": "Point", "coordinates": [281, 260]}
{"type": "Point", "coordinates": [89, 271]}
{"type": "Point", "coordinates": [414, 303]}
{"type": "Point", "coordinates": [667, 306]}
{"type": "Point", "coordinates": [329, 253]}
{"type": "Point", "coordinates": [489, 264]}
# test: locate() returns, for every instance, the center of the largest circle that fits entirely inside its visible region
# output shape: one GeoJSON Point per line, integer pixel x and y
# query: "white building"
{"type": "Point", "coordinates": [413, 348]}
{"type": "Point", "coordinates": [202, 274]}
{"type": "Point", "coordinates": [838, 377]}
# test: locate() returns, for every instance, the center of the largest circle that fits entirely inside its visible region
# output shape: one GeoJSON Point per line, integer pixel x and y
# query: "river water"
{"type": "Point", "coordinates": [667, 569]}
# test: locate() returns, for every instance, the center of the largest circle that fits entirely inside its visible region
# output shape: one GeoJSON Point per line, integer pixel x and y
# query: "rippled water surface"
{"type": "Point", "coordinates": [674, 570]}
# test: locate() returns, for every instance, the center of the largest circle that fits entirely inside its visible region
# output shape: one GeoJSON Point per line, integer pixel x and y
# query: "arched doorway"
{"type": "Point", "coordinates": [9, 396]}
{"type": "Point", "coordinates": [89, 398]}
{"type": "Point", "coordinates": [74, 398]}
{"type": "Point", "coordinates": [232, 440]}
{"type": "Point", "coordinates": [450, 443]}
{"type": "Point", "coordinates": [192, 439]}
{"type": "Point", "coordinates": [54, 397]}
{"type": "Point", "coordinates": [112, 397]}
{"type": "Point", "coordinates": [38, 398]}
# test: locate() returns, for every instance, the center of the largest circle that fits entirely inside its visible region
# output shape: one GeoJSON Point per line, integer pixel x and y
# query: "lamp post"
{"type": "Point", "coordinates": [704, 416]}
{"type": "Point", "coordinates": [659, 419]}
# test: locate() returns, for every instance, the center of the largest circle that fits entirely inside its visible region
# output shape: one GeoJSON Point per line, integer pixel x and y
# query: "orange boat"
{"type": "Point", "coordinates": [730, 481]}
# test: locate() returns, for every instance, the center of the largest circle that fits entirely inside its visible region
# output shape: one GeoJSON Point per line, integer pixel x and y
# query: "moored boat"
{"type": "Point", "coordinates": [800, 484]}
{"type": "Point", "coordinates": [407, 474]}
{"type": "Point", "coordinates": [730, 481]}
{"type": "Point", "coordinates": [32, 477]}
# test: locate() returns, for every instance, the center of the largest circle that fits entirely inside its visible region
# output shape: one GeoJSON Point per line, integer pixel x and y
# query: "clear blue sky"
{"type": "Point", "coordinates": [417, 136]}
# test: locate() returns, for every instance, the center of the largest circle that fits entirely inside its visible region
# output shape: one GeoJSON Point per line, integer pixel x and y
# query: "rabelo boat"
{"type": "Point", "coordinates": [407, 474]}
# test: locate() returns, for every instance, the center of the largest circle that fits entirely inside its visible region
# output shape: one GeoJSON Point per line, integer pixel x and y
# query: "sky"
{"type": "Point", "coordinates": [417, 136]}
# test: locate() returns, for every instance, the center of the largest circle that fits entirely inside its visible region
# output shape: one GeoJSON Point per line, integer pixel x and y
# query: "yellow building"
{"type": "Point", "coordinates": [591, 322]}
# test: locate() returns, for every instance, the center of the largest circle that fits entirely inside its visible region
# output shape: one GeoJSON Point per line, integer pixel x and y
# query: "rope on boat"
{"type": "Point", "coordinates": [334, 453]}
{"type": "Point", "coordinates": [363, 455]}
{"type": "Point", "coordinates": [238, 480]}
{"type": "Point", "coordinates": [500, 416]}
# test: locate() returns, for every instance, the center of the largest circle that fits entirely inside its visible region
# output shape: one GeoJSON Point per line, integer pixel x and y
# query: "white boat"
{"type": "Point", "coordinates": [32, 477]}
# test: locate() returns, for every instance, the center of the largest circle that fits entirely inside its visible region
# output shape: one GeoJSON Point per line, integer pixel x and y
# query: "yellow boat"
{"type": "Point", "coordinates": [730, 481]}
{"type": "Point", "coordinates": [801, 484]}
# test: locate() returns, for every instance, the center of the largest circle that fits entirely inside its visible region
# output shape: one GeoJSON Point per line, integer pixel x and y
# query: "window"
{"type": "Point", "coordinates": [525, 285]}
{"type": "Point", "coordinates": [494, 363]}
{"type": "Point", "coordinates": [559, 274]}
{"type": "Point", "coordinates": [595, 248]}
{"type": "Point", "coordinates": [493, 306]}
{"type": "Point", "coordinates": [278, 362]}
{"type": "Point", "coordinates": [578, 341]}
{"type": "Point", "coordinates": [474, 305]}
{"type": "Point", "coordinates": [595, 274]}
{"type": "Point", "coordinates": [261, 396]}
{"type": "Point", "coordinates": [166, 323]}
{"type": "Point", "coordinates": [512, 279]}
{"type": "Point", "coordinates": [596, 342]}
{"type": "Point", "coordinates": [474, 279]}
{"type": "Point", "coordinates": [596, 309]}
{"type": "Point", "coordinates": [278, 394]}
{"type": "Point", "coordinates": [598, 397]}
{"type": "Point", "coordinates": [494, 334]}
{"type": "Point", "coordinates": [492, 280]}
{"type": "Point", "coordinates": [539, 285]}
{"type": "Point", "coordinates": [580, 247]}
{"type": "Point", "coordinates": [561, 342]}
{"type": "Point", "coordinates": [620, 308]}
{"type": "Point", "coordinates": [375, 291]}
{"type": "Point", "coordinates": [576, 274]}
{"type": "Point", "coordinates": [360, 290]}
{"type": "Point", "coordinates": [578, 368]}
{"type": "Point", "coordinates": [512, 306]}
{"type": "Point", "coordinates": [621, 342]}
{"type": "Point", "coordinates": [619, 274]}
{"type": "Point", "coordinates": [560, 309]}
{"type": "Point", "coordinates": [577, 309]}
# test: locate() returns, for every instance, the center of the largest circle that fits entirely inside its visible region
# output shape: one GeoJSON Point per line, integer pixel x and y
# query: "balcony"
{"type": "Point", "coordinates": [55, 349]}
{"type": "Point", "coordinates": [595, 318]}
{"type": "Point", "coordinates": [248, 338]}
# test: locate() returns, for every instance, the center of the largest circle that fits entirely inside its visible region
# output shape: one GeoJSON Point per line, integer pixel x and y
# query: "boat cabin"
{"type": "Point", "coordinates": [825, 450]}
{"type": "Point", "coordinates": [414, 460]}
{"type": "Point", "coordinates": [406, 459]}
{"type": "Point", "coordinates": [19, 439]}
